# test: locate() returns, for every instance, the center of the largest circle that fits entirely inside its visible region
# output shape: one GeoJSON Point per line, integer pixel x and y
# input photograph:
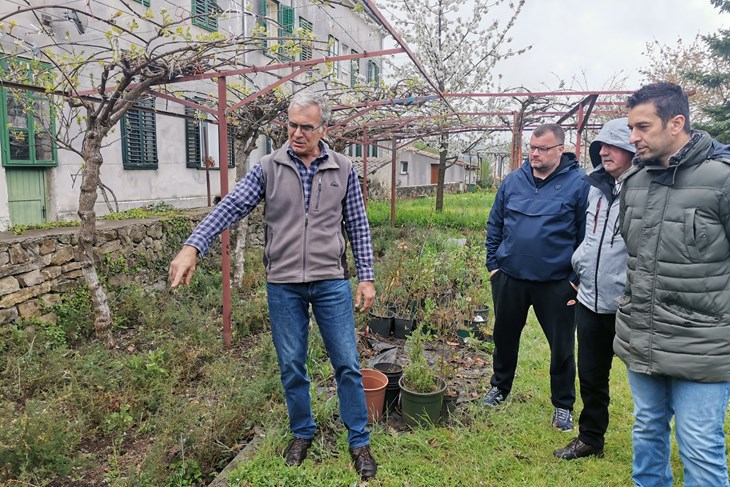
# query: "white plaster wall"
{"type": "Point", "coordinates": [419, 171]}
{"type": "Point", "coordinates": [172, 182]}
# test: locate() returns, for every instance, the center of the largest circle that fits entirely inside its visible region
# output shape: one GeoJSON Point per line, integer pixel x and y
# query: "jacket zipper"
{"type": "Point", "coordinates": [600, 247]}
{"type": "Point", "coordinates": [654, 273]}
{"type": "Point", "coordinates": [304, 246]}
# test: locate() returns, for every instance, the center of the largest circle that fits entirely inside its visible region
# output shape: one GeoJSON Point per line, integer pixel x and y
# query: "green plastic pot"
{"type": "Point", "coordinates": [421, 408]}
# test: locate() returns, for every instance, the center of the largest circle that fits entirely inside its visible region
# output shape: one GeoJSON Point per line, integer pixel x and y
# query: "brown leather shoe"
{"type": "Point", "coordinates": [577, 449]}
{"type": "Point", "coordinates": [364, 462]}
{"type": "Point", "coordinates": [296, 452]}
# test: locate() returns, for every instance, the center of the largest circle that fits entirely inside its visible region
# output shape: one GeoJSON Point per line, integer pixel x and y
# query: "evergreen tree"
{"type": "Point", "coordinates": [718, 45]}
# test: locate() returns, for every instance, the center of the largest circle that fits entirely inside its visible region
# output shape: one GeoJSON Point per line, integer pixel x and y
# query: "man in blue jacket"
{"type": "Point", "coordinates": [537, 221]}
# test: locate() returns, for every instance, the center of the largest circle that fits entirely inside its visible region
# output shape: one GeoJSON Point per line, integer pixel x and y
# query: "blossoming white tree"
{"type": "Point", "coordinates": [458, 45]}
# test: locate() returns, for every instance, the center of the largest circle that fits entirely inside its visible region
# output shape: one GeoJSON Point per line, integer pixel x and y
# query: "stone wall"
{"type": "Point", "coordinates": [378, 192]}
{"type": "Point", "coordinates": [36, 267]}
{"type": "Point", "coordinates": [410, 192]}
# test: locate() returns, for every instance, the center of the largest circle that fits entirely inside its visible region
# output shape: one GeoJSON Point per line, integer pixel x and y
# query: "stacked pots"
{"type": "Point", "coordinates": [392, 391]}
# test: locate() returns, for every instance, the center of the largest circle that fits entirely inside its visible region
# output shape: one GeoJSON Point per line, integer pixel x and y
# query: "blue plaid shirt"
{"type": "Point", "coordinates": [251, 189]}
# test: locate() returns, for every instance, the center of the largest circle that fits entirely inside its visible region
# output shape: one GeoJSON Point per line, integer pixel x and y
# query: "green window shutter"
{"type": "Point", "coordinates": [146, 3]}
{"type": "Point", "coordinates": [263, 22]}
{"type": "Point", "coordinates": [358, 150]}
{"type": "Point", "coordinates": [193, 156]}
{"type": "Point", "coordinates": [286, 21]}
{"type": "Point", "coordinates": [231, 148]}
{"type": "Point", "coordinates": [306, 53]}
{"type": "Point", "coordinates": [286, 27]}
{"type": "Point", "coordinates": [205, 14]}
{"type": "Point", "coordinates": [139, 137]}
{"type": "Point", "coordinates": [354, 70]}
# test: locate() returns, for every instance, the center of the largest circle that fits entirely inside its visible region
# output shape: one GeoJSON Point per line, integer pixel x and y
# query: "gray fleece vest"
{"type": "Point", "coordinates": [304, 246]}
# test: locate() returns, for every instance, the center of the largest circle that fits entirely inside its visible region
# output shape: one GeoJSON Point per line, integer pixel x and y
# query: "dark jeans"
{"type": "Point", "coordinates": [595, 355]}
{"type": "Point", "coordinates": [553, 302]}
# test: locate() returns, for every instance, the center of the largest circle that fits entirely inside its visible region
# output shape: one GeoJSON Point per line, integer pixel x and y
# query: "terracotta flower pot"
{"type": "Point", "coordinates": [374, 382]}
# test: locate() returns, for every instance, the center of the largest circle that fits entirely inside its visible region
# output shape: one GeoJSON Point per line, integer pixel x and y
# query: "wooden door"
{"type": "Point", "coordinates": [26, 195]}
{"type": "Point", "coordinates": [434, 173]}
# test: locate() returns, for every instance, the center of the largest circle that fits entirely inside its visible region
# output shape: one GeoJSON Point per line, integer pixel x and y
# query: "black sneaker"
{"type": "Point", "coordinates": [364, 462]}
{"type": "Point", "coordinates": [296, 452]}
{"type": "Point", "coordinates": [563, 419]}
{"type": "Point", "coordinates": [494, 397]}
{"type": "Point", "coordinates": [577, 449]}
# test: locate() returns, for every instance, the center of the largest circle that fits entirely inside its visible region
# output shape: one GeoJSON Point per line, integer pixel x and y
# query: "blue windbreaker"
{"type": "Point", "coordinates": [531, 232]}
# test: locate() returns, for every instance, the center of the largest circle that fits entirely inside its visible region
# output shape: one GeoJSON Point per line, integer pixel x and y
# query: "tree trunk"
{"type": "Point", "coordinates": [443, 149]}
{"type": "Point", "coordinates": [91, 153]}
{"type": "Point", "coordinates": [245, 146]}
{"type": "Point", "coordinates": [239, 252]}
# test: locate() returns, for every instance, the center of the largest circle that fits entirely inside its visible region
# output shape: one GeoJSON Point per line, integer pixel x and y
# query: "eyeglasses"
{"type": "Point", "coordinates": [306, 129]}
{"type": "Point", "coordinates": [540, 150]}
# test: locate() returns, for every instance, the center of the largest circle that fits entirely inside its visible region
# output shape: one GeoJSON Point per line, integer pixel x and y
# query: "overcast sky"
{"type": "Point", "coordinates": [601, 37]}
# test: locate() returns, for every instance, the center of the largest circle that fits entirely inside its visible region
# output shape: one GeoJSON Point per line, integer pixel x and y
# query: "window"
{"type": "Point", "coordinates": [199, 135]}
{"type": "Point", "coordinates": [306, 27]}
{"type": "Point", "coordinates": [372, 150]}
{"type": "Point", "coordinates": [268, 145]}
{"type": "Point", "coordinates": [26, 119]}
{"type": "Point", "coordinates": [139, 136]}
{"type": "Point", "coordinates": [146, 3]}
{"type": "Point", "coordinates": [373, 72]}
{"type": "Point", "coordinates": [270, 21]}
{"type": "Point", "coordinates": [404, 167]}
{"type": "Point", "coordinates": [354, 70]}
{"type": "Point", "coordinates": [334, 50]}
{"type": "Point", "coordinates": [205, 14]}
{"type": "Point", "coordinates": [345, 67]}
{"type": "Point", "coordinates": [358, 150]}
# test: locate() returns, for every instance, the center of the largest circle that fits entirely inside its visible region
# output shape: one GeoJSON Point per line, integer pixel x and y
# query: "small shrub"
{"type": "Point", "coordinates": [418, 374]}
{"type": "Point", "coordinates": [38, 443]}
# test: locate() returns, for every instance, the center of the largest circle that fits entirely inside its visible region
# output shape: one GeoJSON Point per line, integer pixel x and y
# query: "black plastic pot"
{"type": "Point", "coordinates": [381, 325]}
{"type": "Point", "coordinates": [402, 327]}
{"type": "Point", "coordinates": [393, 372]}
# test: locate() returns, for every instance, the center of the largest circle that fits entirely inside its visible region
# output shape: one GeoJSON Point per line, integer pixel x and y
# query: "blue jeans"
{"type": "Point", "coordinates": [331, 302]}
{"type": "Point", "coordinates": [699, 416]}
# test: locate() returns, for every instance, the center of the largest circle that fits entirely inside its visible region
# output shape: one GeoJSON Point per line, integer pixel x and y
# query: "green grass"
{"type": "Point", "coordinates": [463, 211]}
{"type": "Point", "coordinates": [166, 405]}
{"type": "Point", "coordinates": [508, 446]}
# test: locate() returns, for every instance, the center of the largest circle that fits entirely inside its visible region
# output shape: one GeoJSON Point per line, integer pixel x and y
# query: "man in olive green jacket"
{"type": "Point", "coordinates": [673, 321]}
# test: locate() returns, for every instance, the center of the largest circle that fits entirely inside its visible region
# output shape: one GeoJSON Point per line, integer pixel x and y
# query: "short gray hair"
{"type": "Point", "coordinates": [304, 99]}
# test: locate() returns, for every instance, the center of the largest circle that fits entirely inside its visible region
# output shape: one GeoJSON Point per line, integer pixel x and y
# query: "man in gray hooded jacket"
{"type": "Point", "coordinates": [600, 263]}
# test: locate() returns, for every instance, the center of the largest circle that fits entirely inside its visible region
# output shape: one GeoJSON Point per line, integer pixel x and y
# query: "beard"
{"type": "Point", "coordinates": [647, 162]}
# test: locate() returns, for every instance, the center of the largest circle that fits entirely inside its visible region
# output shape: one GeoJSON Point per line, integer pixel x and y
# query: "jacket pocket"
{"type": "Point", "coordinates": [624, 305]}
{"type": "Point", "coordinates": [693, 234]}
{"type": "Point", "coordinates": [267, 249]}
{"type": "Point", "coordinates": [535, 207]}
